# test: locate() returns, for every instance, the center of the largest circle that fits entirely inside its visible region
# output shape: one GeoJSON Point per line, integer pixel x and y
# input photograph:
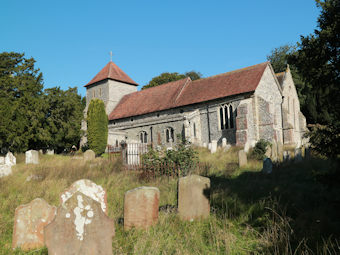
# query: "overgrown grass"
{"type": "Point", "coordinates": [292, 211]}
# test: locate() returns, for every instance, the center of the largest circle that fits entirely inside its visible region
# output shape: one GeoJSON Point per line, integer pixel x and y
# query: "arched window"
{"type": "Point", "coordinates": [227, 118]}
{"type": "Point", "coordinates": [231, 117]}
{"type": "Point", "coordinates": [143, 136]}
{"type": "Point", "coordinates": [169, 135]}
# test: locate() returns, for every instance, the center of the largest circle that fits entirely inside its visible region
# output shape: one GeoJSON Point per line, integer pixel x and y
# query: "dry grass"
{"type": "Point", "coordinates": [249, 213]}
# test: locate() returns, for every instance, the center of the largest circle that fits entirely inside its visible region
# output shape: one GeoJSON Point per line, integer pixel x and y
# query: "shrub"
{"type": "Point", "coordinates": [97, 126]}
{"type": "Point", "coordinates": [260, 149]}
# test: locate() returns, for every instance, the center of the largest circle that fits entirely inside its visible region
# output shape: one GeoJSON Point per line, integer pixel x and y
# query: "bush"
{"type": "Point", "coordinates": [260, 149]}
{"type": "Point", "coordinates": [97, 126]}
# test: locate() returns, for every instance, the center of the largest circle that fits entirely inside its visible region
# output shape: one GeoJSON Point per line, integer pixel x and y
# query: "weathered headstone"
{"type": "Point", "coordinates": [209, 146]}
{"type": "Point", "coordinates": [141, 207]}
{"type": "Point", "coordinates": [242, 158]}
{"type": "Point", "coordinates": [29, 223]}
{"type": "Point", "coordinates": [274, 155]}
{"type": "Point", "coordinates": [88, 188]}
{"type": "Point", "coordinates": [10, 159]}
{"type": "Point", "coordinates": [50, 152]}
{"type": "Point", "coordinates": [5, 170]}
{"type": "Point", "coordinates": [224, 142]}
{"type": "Point", "coordinates": [213, 146]}
{"type": "Point", "coordinates": [89, 155]}
{"type": "Point", "coordinates": [32, 157]}
{"type": "Point", "coordinates": [297, 155]}
{"type": "Point", "coordinates": [80, 227]}
{"type": "Point", "coordinates": [193, 197]}
{"type": "Point", "coordinates": [267, 166]}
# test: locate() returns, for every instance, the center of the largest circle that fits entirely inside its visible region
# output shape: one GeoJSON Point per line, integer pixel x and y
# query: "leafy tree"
{"type": "Point", "coordinates": [318, 62]}
{"type": "Point", "coordinates": [21, 104]}
{"type": "Point", "coordinates": [169, 77]}
{"type": "Point", "coordinates": [63, 116]}
{"type": "Point", "coordinates": [97, 126]}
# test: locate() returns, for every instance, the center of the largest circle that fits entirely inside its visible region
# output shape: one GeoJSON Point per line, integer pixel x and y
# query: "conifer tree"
{"type": "Point", "coordinates": [97, 126]}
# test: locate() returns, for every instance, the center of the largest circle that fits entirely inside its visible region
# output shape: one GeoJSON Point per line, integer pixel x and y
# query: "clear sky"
{"type": "Point", "coordinates": [71, 40]}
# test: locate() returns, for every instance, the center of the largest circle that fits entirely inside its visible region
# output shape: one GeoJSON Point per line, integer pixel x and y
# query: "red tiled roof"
{"type": "Point", "coordinates": [112, 71]}
{"type": "Point", "coordinates": [186, 92]}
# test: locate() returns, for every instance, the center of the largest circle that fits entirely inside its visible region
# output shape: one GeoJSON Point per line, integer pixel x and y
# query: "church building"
{"type": "Point", "coordinates": [242, 106]}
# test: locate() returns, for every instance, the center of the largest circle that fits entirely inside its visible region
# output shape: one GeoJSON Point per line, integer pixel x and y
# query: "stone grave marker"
{"type": "Point", "coordinates": [32, 157]}
{"type": "Point", "coordinates": [224, 142]}
{"type": "Point", "coordinates": [193, 197]}
{"type": "Point", "coordinates": [50, 152]}
{"type": "Point", "coordinates": [10, 159]}
{"type": "Point", "coordinates": [242, 158]}
{"type": "Point", "coordinates": [29, 223]}
{"type": "Point", "coordinates": [5, 170]}
{"type": "Point", "coordinates": [80, 227]}
{"type": "Point", "coordinates": [88, 188]}
{"type": "Point", "coordinates": [141, 207]}
{"type": "Point", "coordinates": [89, 155]}
{"type": "Point", "coordinates": [267, 166]}
{"type": "Point", "coordinates": [213, 146]}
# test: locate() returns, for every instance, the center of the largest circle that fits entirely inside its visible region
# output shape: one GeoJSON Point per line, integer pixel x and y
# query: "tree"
{"type": "Point", "coordinates": [97, 126]}
{"type": "Point", "coordinates": [63, 116]}
{"type": "Point", "coordinates": [318, 62]}
{"type": "Point", "coordinates": [169, 77]}
{"type": "Point", "coordinates": [21, 104]}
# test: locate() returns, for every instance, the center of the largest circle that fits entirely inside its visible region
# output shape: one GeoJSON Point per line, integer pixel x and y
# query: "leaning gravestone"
{"type": "Point", "coordinates": [141, 207]}
{"type": "Point", "coordinates": [193, 197]}
{"type": "Point", "coordinates": [32, 157]}
{"type": "Point", "coordinates": [89, 155]}
{"type": "Point", "coordinates": [88, 188]}
{"type": "Point", "coordinates": [29, 223]}
{"type": "Point", "coordinates": [242, 158]}
{"type": "Point", "coordinates": [10, 159]}
{"type": "Point", "coordinates": [80, 227]}
{"type": "Point", "coordinates": [267, 166]}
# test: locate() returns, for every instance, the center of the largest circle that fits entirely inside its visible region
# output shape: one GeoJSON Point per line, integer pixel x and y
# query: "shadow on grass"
{"type": "Point", "coordinates": [305, 195]}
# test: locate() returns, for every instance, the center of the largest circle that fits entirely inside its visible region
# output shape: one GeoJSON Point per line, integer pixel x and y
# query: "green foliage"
{"type": "Point", "coordinates": [64, 114]}
{"type": "Point", "coordinates": [318, 62]}
{"type": "Point", "coordinates": [260, 149]}
{"type": "Point", "coordinates": [30, 117]}
{"type": "Point", "coordinates": [97, 126]}
{"type": "Point", "coordinates": [169, 77]}
{"type": "Point", "coordinates": [183, 156]}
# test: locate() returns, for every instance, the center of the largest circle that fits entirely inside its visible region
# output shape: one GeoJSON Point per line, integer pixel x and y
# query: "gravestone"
{"type": "Point", "coordinates": [32, 157]}
{"type": "Point", "coordinates": [224, 142]}
{"type": "Point", "coordinates": [242, 158]}
{"type": "Point", "coordinates": [88, 188]}
{"type": "Point", "coordinates": [209, 146]}
{"type": "Point", "coordinates": [29, 223]}
{"type": "Point", "coordinates": [89, 155]}
{"type": "Point", "coordinates": [193, 197]}
{"type": "Point", "coordinates": [5, 170]}
{"type": "Point", "coordinates": [10, 159]}
{"type": "Point", "coordinates": [80, 227]}
{"type": "Point", "coordinates": [141, 207]}
{"type": "Point", "coordinates": [267, 166]}
{"type": "Point", "coordinates": [213, 146]}
{"type": "Point", "coordinates": [50, 152]}
{"type": "Point", "coordinates": [297, 155]}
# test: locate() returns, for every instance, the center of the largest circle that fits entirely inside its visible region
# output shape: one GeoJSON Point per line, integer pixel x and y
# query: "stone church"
{"type": "Point", "coordinates": [239, 107]}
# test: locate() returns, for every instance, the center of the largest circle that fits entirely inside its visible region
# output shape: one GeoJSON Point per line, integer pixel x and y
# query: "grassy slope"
{"type": "Point", "coordinates": [287, 211]}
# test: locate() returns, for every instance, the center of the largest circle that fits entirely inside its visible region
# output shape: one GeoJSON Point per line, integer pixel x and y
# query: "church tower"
{"type": "Point", "coordinates": [109, 85]}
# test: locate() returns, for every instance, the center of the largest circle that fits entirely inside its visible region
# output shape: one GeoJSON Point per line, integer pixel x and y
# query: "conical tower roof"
{"type": "Point", "coordinates": [113, 72]}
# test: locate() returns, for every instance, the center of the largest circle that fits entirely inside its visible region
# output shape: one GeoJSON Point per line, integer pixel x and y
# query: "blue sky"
{"type": "Point", "coordinates": [71, 40]}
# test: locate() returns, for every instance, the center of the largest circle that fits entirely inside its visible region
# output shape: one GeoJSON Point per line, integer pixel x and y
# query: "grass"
{"type": "Point", "coordinates": [294, 210]}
